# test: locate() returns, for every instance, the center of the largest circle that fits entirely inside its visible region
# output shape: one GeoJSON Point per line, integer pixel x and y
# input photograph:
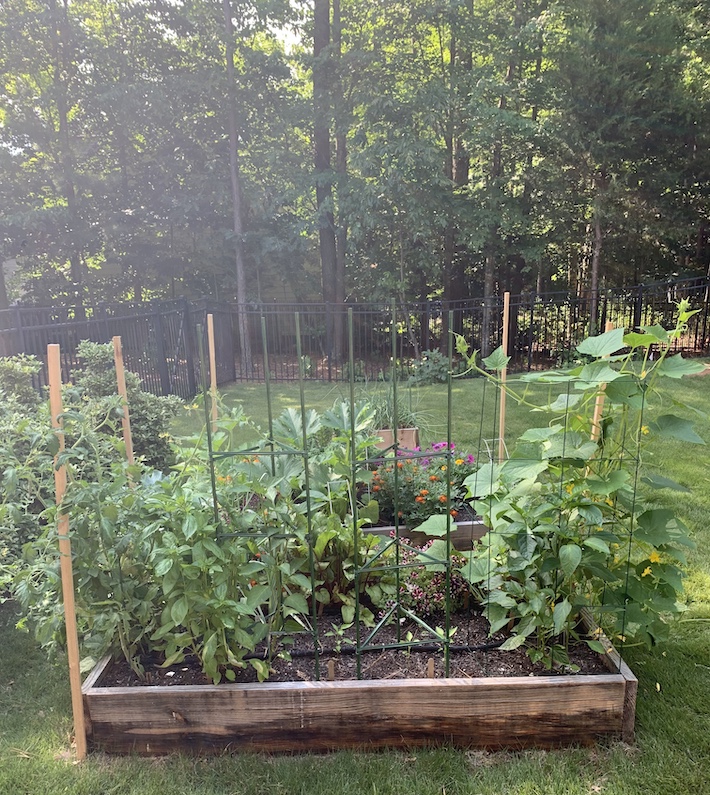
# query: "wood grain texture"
{"type": "Point", "coordinates": [54, 372]}
{"type": "Point", "coordinates": [497, 712]}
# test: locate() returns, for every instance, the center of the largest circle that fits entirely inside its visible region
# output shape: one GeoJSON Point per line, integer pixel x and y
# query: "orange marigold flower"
{"type": "Point", "coordinates": [434, 478]}
{"type": "Point", "coordinates": [419, 499]}
{"type": "Point", "coordinates": [375, 488]}
{"type": "Point", "coordinates": [454, 512]}
{"type": "Point", "coordinates": [442, 498]}
{"type": "Point", "coordinates": [400, 465]}
{"type": "Point", "coordinates": [424, 492]}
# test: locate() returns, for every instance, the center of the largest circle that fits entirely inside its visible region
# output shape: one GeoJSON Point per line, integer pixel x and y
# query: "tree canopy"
{"type": "Point", "coordinates": [276, 150]}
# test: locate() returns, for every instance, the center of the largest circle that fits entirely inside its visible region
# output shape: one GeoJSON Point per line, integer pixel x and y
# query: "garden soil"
{"type": "Point", "coordinates": [474, 654]}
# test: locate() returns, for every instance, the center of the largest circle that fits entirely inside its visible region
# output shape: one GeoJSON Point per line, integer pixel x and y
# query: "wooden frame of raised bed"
{"type": "Point", "coordinates": [497, 712]}
{"type": "Point", "coordinates": [464, 535]}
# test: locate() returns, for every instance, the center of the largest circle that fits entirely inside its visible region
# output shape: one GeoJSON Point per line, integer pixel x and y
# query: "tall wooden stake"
{"type": "Point", "coordinates": [60, 484]}
{"type": "Point", "coordinates": [599, 402]}
{"type": "Point", "coordinates": [121, 381]}
{"type": "Point", "coordinates": [503, 376]}
{"type": "Point", "coordinates": [213, 369]}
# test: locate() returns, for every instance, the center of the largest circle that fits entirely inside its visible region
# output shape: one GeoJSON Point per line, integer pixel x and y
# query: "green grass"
{"type": "Point", "coordinates": [475, 407]}
{"type": "Point", "coordinates": [671, 755]}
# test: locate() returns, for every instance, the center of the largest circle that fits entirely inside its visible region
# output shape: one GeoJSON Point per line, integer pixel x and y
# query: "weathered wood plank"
{"type": "Point", "coordinates": [464, 535]}
{"type": "Point", "coordinates": [288, 716]}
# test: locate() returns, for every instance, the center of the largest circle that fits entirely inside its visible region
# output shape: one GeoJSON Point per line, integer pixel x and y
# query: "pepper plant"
{"type": "Point", "coordinates": [568, 528]}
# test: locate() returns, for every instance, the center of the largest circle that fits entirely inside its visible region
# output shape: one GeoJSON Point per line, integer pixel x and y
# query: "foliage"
{"type": "Point", "coordinates": [568, 529]}
{"type": "Point", "coordinates": [16, 380]}
{"type": "Point", "coordinates": [27, 445]}
{"type": "Point", "coordinates": [431, 368]}
{"type": "Point", "coordinates": [150, 414]}
{"type": "Point", "coordinates": [485, 153]}
{"type": "Point", "coordinates": [332, 498]}
{"type": "Point", "coordinates": [162, 569]}
{"type": "Point", "coordinates": [419, 484]}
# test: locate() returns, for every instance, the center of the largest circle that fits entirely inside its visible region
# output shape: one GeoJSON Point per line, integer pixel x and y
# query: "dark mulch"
{"type": "Point", "coordinates": [473, 655]}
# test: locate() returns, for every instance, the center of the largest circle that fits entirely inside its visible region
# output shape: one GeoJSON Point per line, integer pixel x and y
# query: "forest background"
{"type": "Point", "coordinates": [349, 150]}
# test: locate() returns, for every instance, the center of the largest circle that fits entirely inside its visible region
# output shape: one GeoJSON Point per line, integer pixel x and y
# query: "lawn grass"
{"type": "Point", "coordinates": [671, 755]}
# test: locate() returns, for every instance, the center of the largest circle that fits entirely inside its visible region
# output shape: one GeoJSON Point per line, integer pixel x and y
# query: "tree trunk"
{"type": "Point", "coordinates": [235, 177]}
{"type": "Point", "coordinates": [322, 63]}
{"type": "Point", "coordinates": [61, 69]}
{"type": "Point", "coordinates": [489, 288]}
{"type": "Point", "coordinates": [341, 167]}
{"type": "Point", "coordinates": [457, 169]}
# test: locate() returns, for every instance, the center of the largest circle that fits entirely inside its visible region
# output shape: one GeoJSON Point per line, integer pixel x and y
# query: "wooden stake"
{"type": "Point", "coordinates": [60, 484]}
{"type": "Point", "coordinates": [331, 670]}
{"type": "Point", "coordinates": [213, 369]}
{"type": "Point", "coordinates": [123, 392]}
{"type": "Point", "coordinates": [599, 402]}
{"type": "Point", "coordinates": [503, 376]}
{"type": "Point", "coordinates": [430, 668]}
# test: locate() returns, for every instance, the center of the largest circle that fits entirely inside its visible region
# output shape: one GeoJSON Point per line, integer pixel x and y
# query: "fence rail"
{"type": "Point", "coordinates": [160, 338]}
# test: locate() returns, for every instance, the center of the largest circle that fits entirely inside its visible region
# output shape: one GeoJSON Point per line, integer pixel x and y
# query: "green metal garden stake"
{"type": "Point", "coordinates": [307, 486]}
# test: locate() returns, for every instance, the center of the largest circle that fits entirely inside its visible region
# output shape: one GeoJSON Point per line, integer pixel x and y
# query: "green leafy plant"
{"type": "Point", "coordinates": [332, 497]}
{"type": "Point", "coordinates": [568, 529]}
{"type": "Point", "coordinates": [16, 380]}
{"type": "Point", "coordinates": [150, 414]}
{"type": "Point", "coordinates": [432, 367]}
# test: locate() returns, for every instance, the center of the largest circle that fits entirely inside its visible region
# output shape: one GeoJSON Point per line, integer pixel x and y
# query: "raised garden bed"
{"type": "Point", "coordinates": [463, 534]}
{"type": "Point", "coordinates": [492, 712]}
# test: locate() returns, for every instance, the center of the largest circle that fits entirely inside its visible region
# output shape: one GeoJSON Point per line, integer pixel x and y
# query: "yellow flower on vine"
{"type": "Point", "coordinates": [654, 557]}
{"type": "Point", "coordinates": [648, 570]}
{"type": "Point", "coordinates": [569, 488]}
{"type": "Point", "coordinates": [645, 430]}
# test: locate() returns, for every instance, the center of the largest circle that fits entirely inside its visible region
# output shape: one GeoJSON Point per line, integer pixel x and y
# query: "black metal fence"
{"type": "Point", "coordinates": [160, 339]}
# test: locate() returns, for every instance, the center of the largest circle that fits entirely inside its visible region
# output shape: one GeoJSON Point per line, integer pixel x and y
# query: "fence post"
{"type": "Point", "coordinates": [190, 348]}
{"type": "Point", "coordinates": [103, 316]}
{"type": "Point", "coordinates": [638, 308]}
{"type": "Point", "coordinates": [531, 333]}
{"type": "Point", "coordinates": [162, 362]}
{"type": "Point", "coordinates": [329, 334]}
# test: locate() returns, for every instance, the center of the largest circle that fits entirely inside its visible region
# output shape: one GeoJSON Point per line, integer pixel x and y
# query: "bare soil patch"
{"type": "Point", "coordinates": [473, 654]}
